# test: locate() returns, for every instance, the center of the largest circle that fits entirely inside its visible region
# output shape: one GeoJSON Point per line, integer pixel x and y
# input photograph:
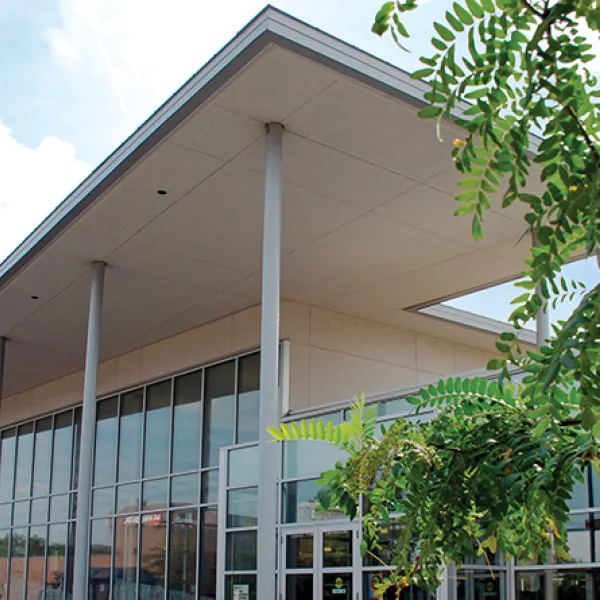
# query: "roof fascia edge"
{"type": "Point", "coordinates": [229, 60]}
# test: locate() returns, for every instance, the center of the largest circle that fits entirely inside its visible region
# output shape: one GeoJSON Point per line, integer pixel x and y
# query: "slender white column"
{"type": "Point", "coordinates": [269, 365]}
{"type": "Point", "coordinates": [542, 329]}
{"type": "Point", "coordinates": [88, 424]}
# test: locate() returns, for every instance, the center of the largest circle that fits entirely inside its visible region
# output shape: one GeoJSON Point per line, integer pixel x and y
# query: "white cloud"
{"type": "Point", "coordinates": [34, 181]}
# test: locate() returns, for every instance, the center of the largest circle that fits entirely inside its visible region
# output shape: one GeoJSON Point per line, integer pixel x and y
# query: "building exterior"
{"type": "Point", "coordinates": [256, 252]}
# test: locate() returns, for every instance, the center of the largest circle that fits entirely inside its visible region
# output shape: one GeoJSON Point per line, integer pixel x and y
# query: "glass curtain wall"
{"type": "Point", "coordinates": [155, 489]}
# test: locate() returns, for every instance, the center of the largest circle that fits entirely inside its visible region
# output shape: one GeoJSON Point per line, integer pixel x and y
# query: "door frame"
{"type": "Point", "coordinates": [317, 530]}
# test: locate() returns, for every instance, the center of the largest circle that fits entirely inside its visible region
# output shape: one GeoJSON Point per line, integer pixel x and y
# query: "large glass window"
{"type": "Point", "coordinates": [208, 557]}
{"type": "Point", "coordinates": [100, 556]}
{"type": "Point", "coordinates": [219, 410]}
{"type": "Point", "coordinates": [61, 452]}
{"type": "Point", "coordinates": [248, 399]}
{"type": "Point", "coordinates": [35, 563]}
{"type": "Point", "coordinates": [152, 555]}
{"type": "Point", "coordinates": [130, 435]}
{"type": "Point", "coordinates": [187, 422]}
{"type": "Point", "coordinates": [7, 464]}
{"type": "Point", "coordinates": [125, 557]}
{"type": "Point", "coordinates": [183, 553]}
{"type": "Point", "coordinates": [24, 461]}
{"type": "Point", "coordinates": [56, 565]}
{"type": "Point", "coordinates": [105, 452]}
{"type": "Point", "coordinates": [17, 564]}
{"type": "Point", "coordinates": [43, 452]}
{"type": "Point", "coordinates": [158, 429]}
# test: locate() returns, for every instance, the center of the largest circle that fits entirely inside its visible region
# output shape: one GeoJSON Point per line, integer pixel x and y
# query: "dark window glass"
{"type": "Point", "coordinates": [242, 508]}
{"type": "Point", "coordinates": [485, 585]}
{"type": "Point", "coordinates": [35, 567]}
{"type": "Point", "coordinates": [299, 587]}
{"type": "Point", "coordinates": [76, 445]}
{"type": "Point", "coordinates": [153, 555]}
{"type": "Point", "coordinates": [187, 422]}
{"type": "Point", "coordinates": [59, 507]}
{"type": "Point", "coordinates": [184, 490]}
{"type": "Point", "coordinates": [125, 558]}
{"type": "Point", "coordinates": [158, 428]}
{"type": "Point", "coordinates": [17, 564]}
{"type": "Point", "coordinates": [56, 564]}
{"type": "Point", "coordinates": [70, 558]}
{"type": "Point", "coordinates": [130, 435]}
{"type": "Point", "coordinates": [210, 487]}
{"type": "Point", "coordinates": [103, 502]}
{"type": "Point", "coordinates": [372, 580]}
{"type": "Point", "coordinates": [106, 442]}
{"type": "Point", "coordinates": [241, 551]}
{"type": "Point", "coordinates": [128, 498]}
{"type": "Point", "coordinates": [7, 464]}
{"type": "Point", "coordinates": [337, 586]}
{"type": "Point", "coordinates": [337, 549]}
{"type": "Point", "coordinates": [24, 460]}
{"type": "Point", "coordinates": [208, 552]}
{"type": "Point", "coordinates": [155, 494]}
{"type": "Point", "coordinates": [249, 399]}
{"type": "Point", "coordinates": [299, 551]}
{"type": "Point", "coordinates": [183, 553]}
{"type": "Point", "coordinates": [43, 451]}
{"type": "Point", "coordinates": [244, 583]}
{"type": "Point", "coordinates": [218, 411]}
{"type": "Point", "coordinates": [61, 452]}
{"type": "Point", "coordinates": [100, 554]}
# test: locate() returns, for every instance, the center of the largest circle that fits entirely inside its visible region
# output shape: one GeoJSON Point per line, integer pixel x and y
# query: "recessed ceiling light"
{"type": "Point", "coordinates": [161, 192]}
{"type": "Point", "coordinates": [35, 297]}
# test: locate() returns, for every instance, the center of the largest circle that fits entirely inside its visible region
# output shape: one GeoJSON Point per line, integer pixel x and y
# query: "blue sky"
{"type": "Point", "coordinates": [80, 75]}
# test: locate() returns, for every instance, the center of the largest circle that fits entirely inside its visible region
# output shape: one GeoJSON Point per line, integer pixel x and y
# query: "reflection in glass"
{"type": "Point", "coordinates": [105, 452]}
{"type": "Point", "coordinates": [158, 428]}
{"type": "Point", "coordinates": [242, 508]}
{"type": "Point", "coordinates": [182, 553]}
{"type": "Point", "coordinates": [243, 583]}
{"type": "Point", "coordinates": [35, 563]}
{"type": "Point", "coordinates": [155, 494]}
{"type": "Point", "coordinates": [17, 564]}
{"type": "Point", "coordinates": [59, 507]}
{"type": "Point", "coordinates": [307, 459]}
{"type": "Point", "coordinates": [103, 502]}
{"type": "Point", "coordinates": [125, 557]}
{"type": "Point", "coordinates": [61, 452]}
{"type": "Point", "coordinates": [4, 544]}
{"type": "Point", "coordinates": [241, 551]}
{"type": "Point", "coordinates": [300, 503]}
{"type": "Point", "coordinates": [76, 442]}
{"type": "Point", "coordinates": [100, 552]}
{"type": "Point", "coordinates": [7, 462]}
{"type": "Point", "coordinates": [41, 462]}
{"type": "Point", "coordinates": [187, 422]}
{"type": "Point", "coordinates": [243, 466]}
{"type": "Point", "coordinates": [373, 579]}
{"type": "Point", "coordinates": [56, 563]}
{"type": "Point", "coordinates": [152, 555]}
{"type": "Point", "coordinates": [128, 498]}
{"type": "Point", "coordinates": [210, 487]}
{"type": "Point", "coordinates": [567, 585]}
{"type": "Point", "coordinates": [130, 435]}
{"type": "Point", "coordinates": [299, 551]}
{"type": "Point", "coordinates": [219, 401]}
{"type": "Point", "coordinates": [184, 490]}
{"type": "Point", "coordinates": [5, 517]}
{"type": "Point", "coordinates": [70, 559]}
{"type": "Point", "coordinates": [579, 496]}
{"type": "Point", "coordinates": [248, 399]}
{"type": "Point", "coordinates": [21, 513]}
{"type": "Point", "coordinates": [337, 549]}
{"type": "Point", "coordinates": [208, 552]}
{"type": "Point", "coordinates": [24, 459]}
{"type": "Point", "coordinates": [39, 510]}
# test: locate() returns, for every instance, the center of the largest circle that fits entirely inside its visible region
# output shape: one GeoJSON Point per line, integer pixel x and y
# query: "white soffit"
{"type": "Point", "coordinates": [367, 207]}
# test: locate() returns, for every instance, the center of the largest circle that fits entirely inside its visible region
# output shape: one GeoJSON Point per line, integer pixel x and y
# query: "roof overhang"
{"type": "Point", "coordinates": [368, 204]}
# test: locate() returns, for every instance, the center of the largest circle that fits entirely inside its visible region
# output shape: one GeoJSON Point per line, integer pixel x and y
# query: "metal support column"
{"type": "Point", "coordinates": [269, 365]}
{"type": "Point", "coordinates": [542, 329]}
{"type": "Point", "coordinates": [2, 357]}
{"type": "Point", "coordinates": [88, 424]}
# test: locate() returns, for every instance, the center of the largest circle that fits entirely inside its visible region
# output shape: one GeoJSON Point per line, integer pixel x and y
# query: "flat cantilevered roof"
{"type": "Point", "coordinates": [368, 203]}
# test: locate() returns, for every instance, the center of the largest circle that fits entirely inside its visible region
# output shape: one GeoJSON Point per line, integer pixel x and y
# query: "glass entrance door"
{"type": "Point", "coordinates": [321, 563]}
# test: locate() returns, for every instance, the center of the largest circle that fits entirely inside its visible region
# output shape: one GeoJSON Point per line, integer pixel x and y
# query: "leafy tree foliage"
{"type": "Point", "coordinates": [494, 470]}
